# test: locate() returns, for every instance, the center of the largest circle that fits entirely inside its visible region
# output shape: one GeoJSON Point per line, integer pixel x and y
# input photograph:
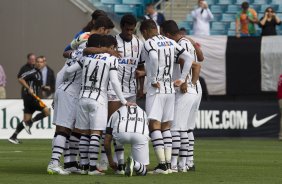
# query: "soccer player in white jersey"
{"type": "Point", "coordinates": [97, 70]}
{"type": "Point", "coordinates": [66, 98]}
{"type": "Point", "coordinates": [187, 104]}
{"type": "Point", "coordinates": [129, 125]}
{"type": "Point", "coordinates": [159, 53]}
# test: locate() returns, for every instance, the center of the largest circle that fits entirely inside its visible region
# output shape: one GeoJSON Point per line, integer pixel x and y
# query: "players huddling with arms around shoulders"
{"type": "Point", "coordinates": [159, 53]}
{"type": "Point", "coordinates": [32, 87]}
{"type": "Point", "coordinates": [129, 47]}
{"type": "Point", "coordinates": [186, 102]}
{"type": "Point", "coordinates": [65, 107]}
{"type": "Point", "coordinates": [129, 125]}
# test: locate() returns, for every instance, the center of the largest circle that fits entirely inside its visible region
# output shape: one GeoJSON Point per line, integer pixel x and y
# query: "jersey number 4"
{"type": "Point", "coordinates": [93, 76]}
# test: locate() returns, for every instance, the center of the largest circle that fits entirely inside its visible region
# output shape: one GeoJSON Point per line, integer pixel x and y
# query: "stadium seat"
{"type": "Point", "coordinates": [189, 18]}
{"type": "Point", "coordinates": [187, 25]}
{"type": "Point", "coordinates": [217, 17]}
{"type": "Point", "coordinates": [279, 9]}
{"type": "Point", "coordinates": [233, 9]}
{"type": "Point", "coordinates": [132, 1]}
{"type": "Point", "coordinates": [225, 2]}
{"type": "Point", "coordinates": [228, 17]}
{"type": "Point", "coordinates": [211, 2]}
{"type": "Point", "coordinates": [218, 26]}
{"type": "Point", "coordinates": [260, 2]}
{"type": "Point", "coordinates": [241, 1]}
{"type": "Point", "coordinates": [280, 16]}
{"type": "Point", "coordinates": [255, 7]}
{"type": "Point", "coordinates": [264, 6]}
{"type": "Point", "coordinates": [122, 8]}
{"type": "Point", "coordinates": [231, 33]}
{"type": "Point", "coordinates": [232, 26]}
{"type": "Point", "coordinates": [218, 32]}
{"type": "Point", "coordinates": [275, 1]}
{"type": "Point", "coordinates": [111, 1]}
{"type": "Point", "coordinates": [217, 9]}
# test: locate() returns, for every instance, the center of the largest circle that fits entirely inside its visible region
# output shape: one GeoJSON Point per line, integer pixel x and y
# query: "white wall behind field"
{"type": "Point", "coordinates": [43, 27]}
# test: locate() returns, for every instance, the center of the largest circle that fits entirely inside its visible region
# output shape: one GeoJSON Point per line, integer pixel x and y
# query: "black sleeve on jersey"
{"type": "Point", "coordinates": [178, 54]}
{"type": "Point", "coordinates": [150, 49]}
{"type": "Point", "coordinates": [28, 75]}
{"type": "Point", "coordinates": [109, 130]}
{"type": "Point", "coordinates": [80, 64]}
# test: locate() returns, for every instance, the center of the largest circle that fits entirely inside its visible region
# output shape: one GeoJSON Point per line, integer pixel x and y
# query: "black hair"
{"type": "Point", "coordinates": [128, 19]}
{"type": "Point", "coordinates": [95, 15]}
{"type": "Point", "coordinates": [245, 5]}
{"type": "Point", "coordinates": [268, 9]}
{"type": "Point", "coordinates": [170, 26]}
{"type": "Point", "coordinates": [182, 29]}
{"type": "Point", "coordinates": [103, 21]}
{"type": "Point", "coordinates": [94, 41]}
{"type": "Point", "coordinates": [108, 40]}
{"type": "Point", "coordinates": [29, 54]}
{"type": "Point", "coordinates": [149, 4]}
{"type": "Point", "coordinates": [147, 25]}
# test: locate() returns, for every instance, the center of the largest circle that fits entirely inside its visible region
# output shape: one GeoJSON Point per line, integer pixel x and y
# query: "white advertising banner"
{"type": "Point", "coordinates": [11, 113]}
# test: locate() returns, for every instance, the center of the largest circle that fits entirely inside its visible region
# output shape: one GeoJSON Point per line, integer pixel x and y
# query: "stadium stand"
{"type": "Point", "coordinates": [225, 11]}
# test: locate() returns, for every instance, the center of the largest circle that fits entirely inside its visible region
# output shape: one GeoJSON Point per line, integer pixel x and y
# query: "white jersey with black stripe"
{"type": "Point", "coordinates": [130, 52]}
{"type": "Point", "coordinates": [130, 119]}
{"type": "Point", "coordinates": [187, 45]}
{"type": "Point", "coordinates": [95, 76]}
{"type": "Point", "coordinates": [72, 83]}
{"type": "Point", "coordinates": [164, 51]}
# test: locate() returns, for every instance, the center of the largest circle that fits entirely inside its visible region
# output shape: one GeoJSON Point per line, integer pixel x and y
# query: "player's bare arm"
{"type": "Point", "coordinates": [24, 84]}
{"type": "Point", "coordinates": [108, 150]}
{"type": "Point", "coordinates": [96, 50]}
{"type": "Point", "coordinates": [198, 49]}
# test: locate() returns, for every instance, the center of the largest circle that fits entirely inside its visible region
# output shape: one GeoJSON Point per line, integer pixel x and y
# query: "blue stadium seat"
{"type": "Point", "coordinates": [233, 9]}
{"type": "Point", "coordinates": [231, 33]}
{"type": "Point", "coordinates": [255, 7]}
{"type": "Point", "coordinates": [111, 1]}
{"type": "Point", "coordinates": [217, 17]}
{"type": "Point", "coordinates": [260, 2]}
{"type": "Point", "coordinates": [218, 26]}
{"type": "Point", "coordinates": [132, 1]}
{"type": "Point", "coordinates": [232, 26]}
{"type": "Point", "coordinates": [226, 2]}
{"type": "Point", "coordinates": [260, 15]}
{"type": "Point", "coordinates": [189, 18]}
{"type": "Point", "coordinates": [187, 25]}
{"type": "Point", "coordinates": [122, 8]}
{"type": "Point", "coordinates": [280, 16]}
{"type": "Point", "coordinates": [264, 6]}
{"type": "Point", "coordinates": [211, 2]}
{"type": "Point", "coordinates": [279, 9]}
{"type": "Point", "coordinates": [228, 17]}
{"type": "Point", "coordinates": [241, 1]}
{"type": "Point", "coordinates": [217, 9]}
{"type": "Point", "coordinates": [218, 32]}
{"type": "Point", "coordinates": [276, 2]}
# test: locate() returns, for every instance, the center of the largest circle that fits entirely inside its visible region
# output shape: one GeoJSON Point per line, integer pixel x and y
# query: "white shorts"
{"type": "Point", "coordinates": [65, 107]}
{"type": "Point", "coordinates": [160, 107]}
{"type": "Point", "coordinates": [91, 115]}
{"type": "Point", "coordinates": [185, 103]}
{"type": "Point", "coordinates": [139, 145]}
{"type": "Point", "coordinates": [194, 113]}
{"type": "Point", "coordinates": [128, 97]}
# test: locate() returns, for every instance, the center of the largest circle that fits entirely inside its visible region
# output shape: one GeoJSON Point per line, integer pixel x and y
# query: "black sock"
{"type": "Point", "coordinates": [38, 117]}
{"type": "Point", "coordinates": [19, 128]}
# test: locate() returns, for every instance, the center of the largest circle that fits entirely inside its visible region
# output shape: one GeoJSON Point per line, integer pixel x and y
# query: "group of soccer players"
{"type": "Point", "coordinates": [95, 99]}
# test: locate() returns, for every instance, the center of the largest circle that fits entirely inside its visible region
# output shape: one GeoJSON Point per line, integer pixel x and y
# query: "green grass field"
{"type": "Point", "coordinates": [217, 161]}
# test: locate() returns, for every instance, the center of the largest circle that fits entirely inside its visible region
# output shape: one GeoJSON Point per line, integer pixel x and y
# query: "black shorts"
{"type": "Point", "coordinates": [31, 104]}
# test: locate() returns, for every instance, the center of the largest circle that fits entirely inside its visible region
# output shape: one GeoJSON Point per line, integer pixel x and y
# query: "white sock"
{"type": "Point", "coordinates": [94, 149]}
{"type": "Point", "coordinates": [84, 149]}
{"type": "Point", "coordinates": [58, 148]}
{"type": "Point", "coordinates": [175, 147]}
{"type": "Point", "coordinates": [158, 144]}
{"type": "Point", "coordinates": [190, 158]}
{"type": "Point", "coordinates": [139, 168]}
{"type": "Point", "coordinates": [119, 153]}
{"type": "Point", "coordinates": [183, 149]}
{"type": "Point", "coordinates": [167, 145]}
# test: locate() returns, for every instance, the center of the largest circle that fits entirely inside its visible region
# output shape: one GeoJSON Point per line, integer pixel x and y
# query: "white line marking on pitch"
{"type": "Point", "coordinates": [11, 151]}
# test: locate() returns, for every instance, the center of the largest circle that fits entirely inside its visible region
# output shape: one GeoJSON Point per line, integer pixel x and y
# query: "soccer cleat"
{"type": "Point", "coordinates": [26, 127]}
{"type": "Point", "coordinates": [174, 169]}
{"type": "Point", "coordinates": [182, 169]}
{"type": "Point", "coordinates": [192, 168]}
{"type": "Point", "coordinates": [56, 169]}
{"type": "Point", "coordinates": [129, 167]}
{"type": "Point", "coordinates": [72, 167]}
{"type": "Point", "coordinates": [84, 169]}
{"type": "Point", "coordinates": [120, 170]}
{"type": "Point", "coordinates": [168, 165]}
{"type": "Point", "coordinates": [103, 165]}
{"type": "Point", "coordinates": [14, 140]}
{"type": "Point", "coordinates": [161, 169]}
{"type": "Point", "coordinates": [94, 171]}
